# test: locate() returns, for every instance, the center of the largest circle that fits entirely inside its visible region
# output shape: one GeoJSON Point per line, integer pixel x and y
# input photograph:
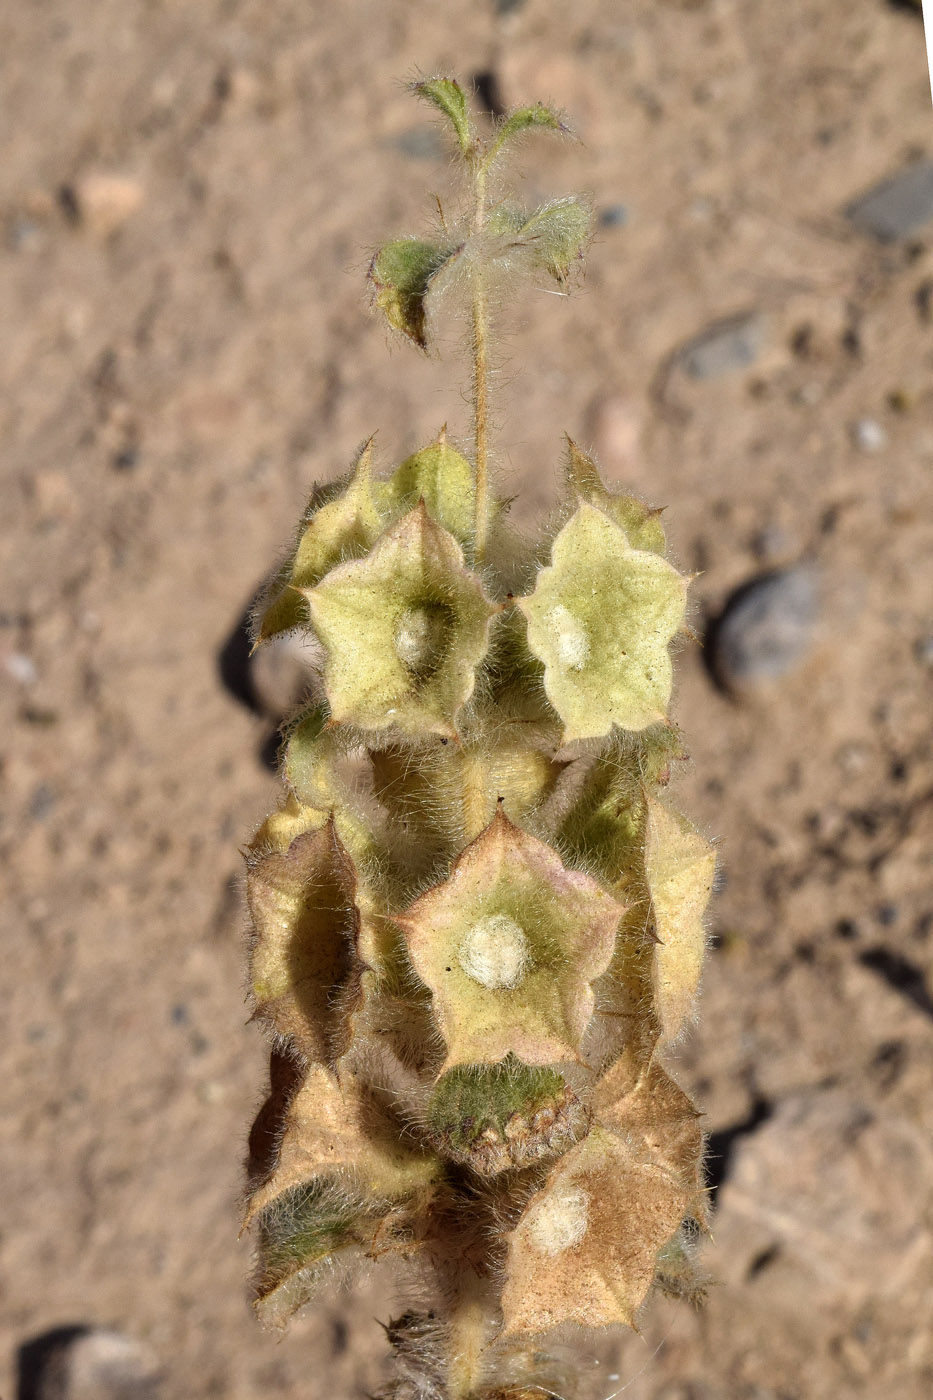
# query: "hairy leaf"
{"type": "Point", "coordinates": [525, 119]}
{"type": "Point", "coordinates": [448, 97]}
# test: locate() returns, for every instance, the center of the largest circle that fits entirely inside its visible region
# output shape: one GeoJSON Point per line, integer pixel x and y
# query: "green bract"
{"type": "Point", "coordinates": [401, 274]}
{"type": "Point", "coordinates": [344, 525]}
{"type": "Point", "coordinates": [404, 629]}
{"type": "Point", "coordinates": [601, 618]}
{"type": "Point", "coordinates": [442, 477]}
{"type": "Point", "coordinates": [642, 525]}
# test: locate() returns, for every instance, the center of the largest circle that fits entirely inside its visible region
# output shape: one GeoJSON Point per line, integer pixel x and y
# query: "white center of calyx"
{"type": "Point", "coordinates": [494, 952]}
{"type": "Point", "coordinates": [570, 636]}
{"type": "Point", "coordinates": [560, 1221]}
{"type": "Point", "coordinates": [419, 637]}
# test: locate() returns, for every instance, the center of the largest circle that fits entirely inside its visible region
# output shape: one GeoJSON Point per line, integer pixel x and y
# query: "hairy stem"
{"type": "Point", "coordinates": [480, 375]}
{"type": "Point", "coordinates": [467, 1336]}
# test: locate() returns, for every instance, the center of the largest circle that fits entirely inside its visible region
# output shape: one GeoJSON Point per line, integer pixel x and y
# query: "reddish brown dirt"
{"type": "Point", "coordinates": [185, 353]}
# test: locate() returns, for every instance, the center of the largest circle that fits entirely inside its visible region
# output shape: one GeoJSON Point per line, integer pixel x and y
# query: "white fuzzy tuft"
{"type": "Point", "coordinates": [494, 952]}
{"type": "Point", "coordinates": [414, 636]}
{"type": "Point", "coordinates": [573, 643]}
{"type": "Point", "coordinates": [560, 1221]}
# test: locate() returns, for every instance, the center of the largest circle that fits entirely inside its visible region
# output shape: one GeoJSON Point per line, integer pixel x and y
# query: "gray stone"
{"type": "Point", "coordinates": [97, 1364]}
{"type": "Point", "coordinates": [724, 346]}
{"type": "Point", "coordinates": [766, 627]}
{"type": "Point", "coordinates": [923, 651]}
{"type": "Point", "coordinates": [898, 207]}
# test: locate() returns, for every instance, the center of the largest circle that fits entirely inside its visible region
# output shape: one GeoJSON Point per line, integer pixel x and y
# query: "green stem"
{"type": "Point", "coordinates": [480, 375]}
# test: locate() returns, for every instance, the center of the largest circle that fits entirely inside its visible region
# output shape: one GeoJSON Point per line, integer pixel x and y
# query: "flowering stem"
{"type": "Point", "coordinates": [480, 340]}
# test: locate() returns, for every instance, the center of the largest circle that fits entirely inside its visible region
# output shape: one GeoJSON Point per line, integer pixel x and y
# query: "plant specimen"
{"type": "Point", "coordinates": [477, 923]}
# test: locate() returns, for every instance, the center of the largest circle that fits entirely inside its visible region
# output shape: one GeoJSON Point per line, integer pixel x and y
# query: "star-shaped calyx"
{"type": "Point", "coordinates": [509, 945]}
{"type": "Point", "coordinates": [585, 1249]}
{"type": "Point", "coordinates": [404, 630]}
{"type": "Point", "coordinates": [601, 618]}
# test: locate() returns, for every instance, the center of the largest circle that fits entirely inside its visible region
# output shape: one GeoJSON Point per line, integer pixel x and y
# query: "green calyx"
{"type": "Point", "coordinates": [497, 1117]}
{"type": "Point", "coordinates": [442, 477]}
{"type": "Point", "coordinates": [601, 619]}
{"type": "Point", "coordinates": [347, 523]}
{"type": "Point", "coordinates": [425, 620]}
{"type": "Point", "coordinates": [641, 524]}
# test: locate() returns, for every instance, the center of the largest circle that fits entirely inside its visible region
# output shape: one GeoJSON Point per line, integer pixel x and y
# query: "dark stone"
{"type": "Point", "coordinates": [614, 216]}
{"type": "Point", "coordinates": [86, 1363]}
{"type": "Point", "coordinates": [898, 207]}
{"type": "Point", "coordinates": [765, 628]}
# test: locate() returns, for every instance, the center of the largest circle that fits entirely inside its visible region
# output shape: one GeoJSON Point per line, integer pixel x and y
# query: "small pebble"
{"type": "Point", "coordinates": [924, 651]}
{"type": "Point", "coordinates": [772, 544]}
{"type": "Point", "coordinates": [95, 1365]}
{"type": "Point", "coordinates": [21, 668]}
{"type": "Point", "coordinates": [869, 435]}
{"type": "Point", "coordinates": [723, 347]}
{"type": "Point", "coordinates": [103, 202]}
{"type": "Point", "coordinates": [25, 235]}
{"type": "Point", "coordinates": [766, 628]}
{"type": "Point", "coordinates": [42, 802]}
{"type": "Point", "coordinates": [898, 206]}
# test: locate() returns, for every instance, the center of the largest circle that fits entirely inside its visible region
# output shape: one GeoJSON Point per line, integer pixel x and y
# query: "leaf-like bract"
{"type": "Point", "coordinates": [525, 119]}
{"type": "Point", "coordinates": [401, 273]}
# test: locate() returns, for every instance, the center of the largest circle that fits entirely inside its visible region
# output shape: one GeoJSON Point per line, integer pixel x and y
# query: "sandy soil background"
{"type": "Point", "coordinates": [188, 191]}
